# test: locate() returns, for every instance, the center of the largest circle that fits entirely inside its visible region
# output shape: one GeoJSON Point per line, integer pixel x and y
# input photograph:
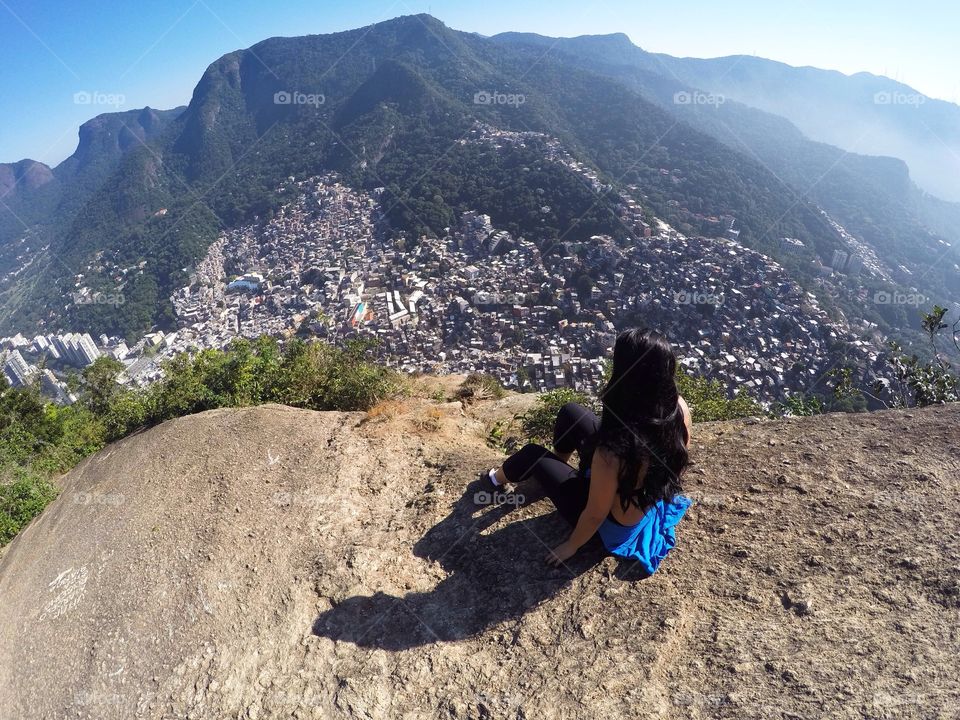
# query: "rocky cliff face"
{"type": "Point", "coordinates": [277, 563]}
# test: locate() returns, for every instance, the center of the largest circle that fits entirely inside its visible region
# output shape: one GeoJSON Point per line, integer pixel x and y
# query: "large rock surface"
{"type": "Point", "coordinates": [277, 563]}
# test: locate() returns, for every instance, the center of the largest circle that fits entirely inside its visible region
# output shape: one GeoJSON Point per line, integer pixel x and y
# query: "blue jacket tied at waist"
{"type": "Point", "coordinates": [649, 540]}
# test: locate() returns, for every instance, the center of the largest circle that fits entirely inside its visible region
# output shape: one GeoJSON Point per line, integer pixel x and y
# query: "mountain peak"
{"type": "Point", "coordinates": [612, 46]}
{"type": "Point", "coordinates": [109, 135]}
{"type": "Point", "coordinates": [24, 175]}
{"type": "Point", "coordinates": [612, 39]}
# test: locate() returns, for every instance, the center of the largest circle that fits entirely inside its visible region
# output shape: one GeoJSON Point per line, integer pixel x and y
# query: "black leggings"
{"type": "Point", "coordinates": [567, 487]}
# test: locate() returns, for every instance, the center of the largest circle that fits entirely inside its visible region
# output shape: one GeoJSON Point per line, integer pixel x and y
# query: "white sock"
{"type": "Point", "coordinates": [493, 477]}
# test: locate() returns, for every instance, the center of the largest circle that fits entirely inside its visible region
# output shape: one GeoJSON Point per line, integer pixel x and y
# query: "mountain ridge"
{"type": "Point", "coordinates": [96, 131]}
{"type": "Point", "coordinates": [218, 163]}
{"type": "Point", "coordinates": [102, 143]}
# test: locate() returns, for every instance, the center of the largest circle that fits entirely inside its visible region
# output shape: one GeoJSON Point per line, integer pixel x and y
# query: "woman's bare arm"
{"type": "Point", "coordinates": [687, 418]}
{"type": "Point", "coordinates": [603, 489]}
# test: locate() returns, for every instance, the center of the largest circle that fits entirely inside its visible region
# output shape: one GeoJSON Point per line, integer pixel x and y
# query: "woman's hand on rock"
{"type": "Point", "coordinates": [560, 554]}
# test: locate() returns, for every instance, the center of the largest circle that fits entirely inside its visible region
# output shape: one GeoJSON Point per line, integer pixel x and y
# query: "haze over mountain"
{"type": "Point", "coordinates": [875, 174]}
{"type": "Point", "coordinates": [861, 113]}
{"type": "Point", "coordinates": [388, 107]}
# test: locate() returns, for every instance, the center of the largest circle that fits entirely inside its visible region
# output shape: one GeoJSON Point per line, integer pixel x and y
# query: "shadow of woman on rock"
{"type": "Point", "coordinates": [492, 577]}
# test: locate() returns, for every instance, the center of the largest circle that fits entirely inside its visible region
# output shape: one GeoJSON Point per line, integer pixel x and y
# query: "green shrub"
{"type": "Point", "coordinates": [499, 436]}
{"type": "Point", "coordinates": [314, 376]}
{"type": "Point", "coordinates": [98, 383]}
{"type": "Point", "coordinates": [23, 496]}
{"type": "Point", "coordinates": [318, 376]}
{"type": "Point", "coordinates": [80, 434]}
{"type": "Point", "coordinates": [918, 383]}
{"type": "Point", "coordinates": [798, 405]}
{"type": "Point", "coordinates": [480, 386]}
{"type": "Point", "coordinates": [537, 423]}
{"type": "Point", "coordinates": [128, 411]}
{"type": "Point", "coordinates": [708, 400]}
{"type": "Point", "coordinates": [39, 439]}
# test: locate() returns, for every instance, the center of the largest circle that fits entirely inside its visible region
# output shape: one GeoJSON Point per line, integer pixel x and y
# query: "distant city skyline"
{"type": "Point", "coordinates": [64, 64]}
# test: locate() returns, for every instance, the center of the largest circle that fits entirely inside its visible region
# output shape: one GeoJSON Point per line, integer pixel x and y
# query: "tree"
{"type": "Point", "coordinates": [932, 324]}
{"type": "Point", "coordinates": [98, 384]}
{"type": "Point", "coordinates": [919, 383]}
{"type": "Point", "coordinates": [708, 399]}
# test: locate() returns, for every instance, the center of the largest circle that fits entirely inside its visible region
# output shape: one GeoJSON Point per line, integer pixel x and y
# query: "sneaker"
{"type": "Point", "coordinates": [486, 493]}
{"type": "Point", "coordinates": [485, 483]}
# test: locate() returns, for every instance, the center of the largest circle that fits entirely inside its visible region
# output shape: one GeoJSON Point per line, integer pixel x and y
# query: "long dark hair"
{"type": "Point", "coordinates": [642, 422]}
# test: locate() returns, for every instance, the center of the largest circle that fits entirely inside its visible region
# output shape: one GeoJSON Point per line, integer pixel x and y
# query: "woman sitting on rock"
{"type": "Point", "coordinates": [631, 459]}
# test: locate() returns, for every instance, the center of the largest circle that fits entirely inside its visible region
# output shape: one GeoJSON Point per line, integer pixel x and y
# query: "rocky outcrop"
{"type": "Point", "coordinates": [23, 176]}
{"type": "Point", "coordinates": [278, 563]}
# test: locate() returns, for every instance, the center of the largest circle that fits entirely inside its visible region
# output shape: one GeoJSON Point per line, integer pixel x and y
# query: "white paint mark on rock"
{"type": "Point", "coordinates": [68, 589]}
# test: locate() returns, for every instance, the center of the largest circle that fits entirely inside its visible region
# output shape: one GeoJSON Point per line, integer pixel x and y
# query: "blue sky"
{"type": "Point", "coordinates": [128, 55]}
